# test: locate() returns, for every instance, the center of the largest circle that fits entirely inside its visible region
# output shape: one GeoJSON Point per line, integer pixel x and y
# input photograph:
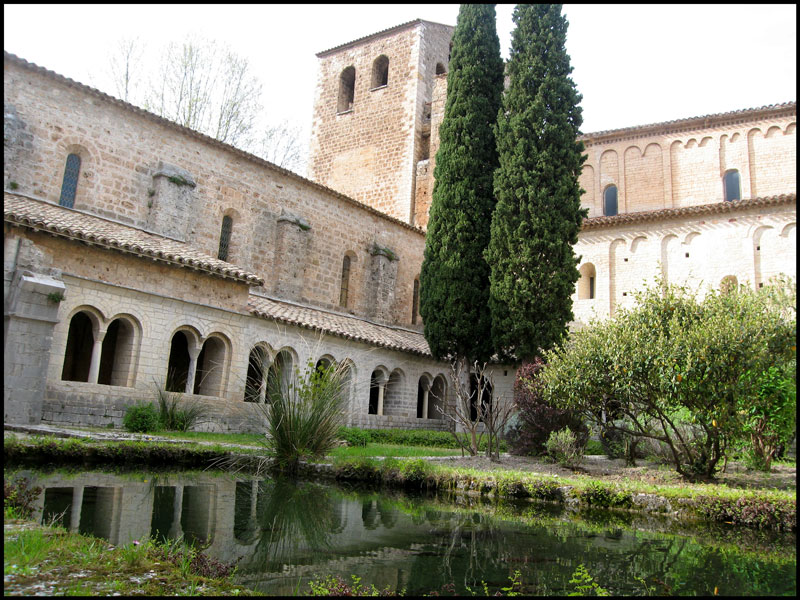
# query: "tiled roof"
{"type": "Point", "coordinates": [13, 58]}
{"type": "Point", "coordinates": [690, 122]}
{"type": "Point", "coordinates": [702, 209]}
{"type": "Point", "coordinates": [351, 328]}
{"type": "Point", "coordinates": [78, 225]}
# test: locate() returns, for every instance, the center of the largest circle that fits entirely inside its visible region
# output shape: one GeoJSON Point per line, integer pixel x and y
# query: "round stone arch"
{"type": "Point", "coordinates": [213, 365]}
{"type": "Point", "coordinates": [184, 346]}
{"type": "Point", "coordinates": [349, 377]}
{"type": "Point", "coordinates": [85, 328]}
{"type": "Point", "coordinates": [424, 384]}
{"type": "Point", "coordinates": [437, 403]}
{"type": "Point", "coordinates": [393, 401]}
{"type": "Point", "coordinates": [377, 389]}
{"type": "Point", "coordinates": [120, 351]}
{"type": "Point", "coordinates": [88, 156]}
{"type": "Point", "coordinates": [281, 372]}
{"type": "Point", "coordinates": [259, 359]}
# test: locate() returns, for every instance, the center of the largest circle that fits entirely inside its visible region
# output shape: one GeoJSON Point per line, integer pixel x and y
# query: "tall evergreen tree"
{"type": "Point", "coordinates": [538, 214]}
{"type": "Point", "coordinates": [454, 281]}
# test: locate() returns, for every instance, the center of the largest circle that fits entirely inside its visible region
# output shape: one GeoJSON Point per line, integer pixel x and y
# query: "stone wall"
{"type": "Point", "coordinates": [143, 171]}
{"type": "Point", "coordinates": [370, 150]}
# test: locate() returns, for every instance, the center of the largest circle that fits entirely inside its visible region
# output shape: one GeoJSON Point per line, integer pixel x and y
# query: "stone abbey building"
{"type": "Point", "coordinates": [136, 248]}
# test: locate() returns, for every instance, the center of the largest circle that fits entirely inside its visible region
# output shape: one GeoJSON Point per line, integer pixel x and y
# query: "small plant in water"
{"type": "Point", "coordinates": [585, 585]}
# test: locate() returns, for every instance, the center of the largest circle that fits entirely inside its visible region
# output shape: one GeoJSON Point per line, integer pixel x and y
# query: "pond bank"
{"type": "Point", "coordinates": [761, 509]}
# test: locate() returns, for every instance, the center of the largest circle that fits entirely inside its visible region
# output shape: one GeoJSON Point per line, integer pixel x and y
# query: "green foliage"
{"type": "Point", "coordinates": [19, 496]}
{"type": "Point", "coordinates": [454, 280]}
{"type": "Point", "coordinates": [415, 471]}
{"type": "Point", "coordinates": [304, 416]}
{"type": "Point", "coordinates": [598, 495]}
{"type": "Point", "coordinates": [585, 585]}
{"type": "Point", "coordinates": [757, 512]}
{"type": "Point", "coordinates": [593, 447]}
{"type": "Point", "coordinates": [769, 417]}
{"type": "Point", "coordinates": [670, 369]}
{"type": "Point", "coordinates": [333, 585]}
{"type": "Point", "coordinates": [538, 214]}
{"type": "Point", "coordinates": [562, 447]}
{"type": "Point", "coordinates": [175, 414]}
{"type": "Point", "coordinates": [405, 437]}
{"type": "Point", "coordinates": [354, 436]}
{"type": "Point", "coordinates": [141, 418]}
{"type": "Point", "coordinates": [357, 469]}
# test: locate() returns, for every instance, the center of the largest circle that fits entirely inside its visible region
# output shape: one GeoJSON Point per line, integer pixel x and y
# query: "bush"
{"type": "Point", "coordinates": [562, 447]}
{"type": "Point", "coordinates": [537, 419]}
{"type": "Point", "coordinates": [172, 417]}
{"type": "Point", "coordinates": [672, 368]}
{"type": "Point", "coordinates": [415, 472]}
{"type": "Point", "coordinates": [304, 417]}
{"type": "Point", "coordinates": [141, 418]}
{"type": "Point", "coordinates": [19, 496]}
{"type": "Point", "coordinates": [354, 436]}
{"type": "Point", "coordinates": [600, 496]}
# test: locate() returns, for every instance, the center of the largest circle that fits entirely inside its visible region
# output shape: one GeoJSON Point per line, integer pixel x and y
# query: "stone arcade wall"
{"type": "Point", "coordinates": [143, 171]}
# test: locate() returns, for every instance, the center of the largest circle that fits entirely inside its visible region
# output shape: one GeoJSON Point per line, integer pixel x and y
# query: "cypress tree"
{"type": "Point", "coordinates": [538, 214]}
{"type": "Point", "coordinates": [454, 280]}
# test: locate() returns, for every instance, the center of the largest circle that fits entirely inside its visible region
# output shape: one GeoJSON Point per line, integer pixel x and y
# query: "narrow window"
{"type": "Point", "coordinates": [610, 201]}
{"type": "Point", "coordinates": [380, 72]}
{"type": "Point", "coordinates": [440, 69]}
{"type": "Point", "coordinates": [347, 89]}
{"type": "Point", "coordinates": [730, 183]}
{"type": "Point", "coordinates": [225, 237]}
{"type": "Point", "coordinates": [591, 288]}
{"type": "Point", "coordinates": [345, 282]}
{"type": "Point", "coordinates": [178, 363]}
{"type": "Point", "coordinates": [586, 282]}
{"type": "Point", "coordinates": [70, 183]}
{"type": "Point", "coordinates": [415, 302]}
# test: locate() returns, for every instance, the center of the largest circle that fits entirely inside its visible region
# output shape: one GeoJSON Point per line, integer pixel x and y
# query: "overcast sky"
{"type": "Point", "coordinates": [632, 64]}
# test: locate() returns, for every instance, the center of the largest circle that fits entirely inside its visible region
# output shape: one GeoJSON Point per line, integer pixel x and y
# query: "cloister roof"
{"type": "Point", "coordinates": [60, 221]}
{"type": "Point", "coordinates": [351, 328]}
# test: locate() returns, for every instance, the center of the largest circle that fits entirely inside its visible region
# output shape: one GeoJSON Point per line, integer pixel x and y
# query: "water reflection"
{"type": "Point", "coordinates": [284, 534]}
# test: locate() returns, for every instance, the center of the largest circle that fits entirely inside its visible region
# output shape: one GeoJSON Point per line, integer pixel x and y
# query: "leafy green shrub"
{"type": "Point", "coordinates": [600, 496]}
{"type": "Point", "coordinates": [334, 585]}
{"type": "Point", "coordinates": [141, 418]}
{"type": "Point", "coordinates": [415, 472]}
{"type": "Point", "coordinates": [585, 585]}
{"type": "Point", "coordinates": [544, 490]}
{"type": "Point", "coordinates": [769, 418]}
{"type": "Point", "coordinates": [593, 447]}
{"type": "Point", "coordinates": [354, 436]}
{"type": "Point", "coordinates": [536, 418]}
{"type": "Point", "coordinates": [19, 496]}
{"type": "Point", "coordinates": [562, 447]}
{"type": "Point", "coordinates": [673, 365]}
{"type": "Point", "coordinates": [305, 415]}
{"type": "Point", "coordinates": [756, 512]}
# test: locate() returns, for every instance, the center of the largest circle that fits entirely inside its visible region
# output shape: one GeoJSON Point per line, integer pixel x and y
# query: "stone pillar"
{"type": "Point", "coordinates": [381, 389]}
{"type": "Point", "coordinates": [97, 350]}
{"type": "Point", "coordinates": [31, 312]}
{"type": "Point", "coordinates": [262, 388]}
{"type": "Point", "coordinates": [171, 200]}
{"type": "Point", "coordinates": [175, 530]}
{"type": "Point", "coordinates": [381, 284]}
{"type": "Point", "coordinates": [291, 253]}
{"type": "Point", "coordinates": [77, 505]}
{"type": "Point", "coordinates": [194, 352]}
{"type": "Point", "coordinates": [425, 403]}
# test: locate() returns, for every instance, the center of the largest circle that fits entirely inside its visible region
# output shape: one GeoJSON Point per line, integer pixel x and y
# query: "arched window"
{"type": "Point", "coordinates": [255, 387]}
{"type": "Point", "coordinates": [178, 365]}
{"type": "Point", "coordinates": [731, 187]}
{"type": "Point", "coordinates": [279, 378]}
{"type": "Point", "coordinates": [225, 237]}
{"type": "Point", "coordinates": [440, 70]}
{"type": "Point", "coordinates": [69, 185]}
{"type": "Point", "coordinates": [117, 356]}
{"type": "Point", "coordinates": [610, 201]}
{"type": "Point", "coordinates": [343, 291]}
{"type": "Point", "coordinates": [586, 282]}
{"type": "Point", "coordinates": [380, 71]}
{"type": "Point", "coordinates": [415, 302]}
{"type": "Point", "coordinates": [80, 343]}
{"type": "Point", "coordinates": [347, 89]}
{"type": "Point", "coordinates": [210, 366]}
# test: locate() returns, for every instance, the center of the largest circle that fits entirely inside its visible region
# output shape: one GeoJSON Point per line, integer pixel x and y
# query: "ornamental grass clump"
{"type": "Point", "coordinates": [304, 415]}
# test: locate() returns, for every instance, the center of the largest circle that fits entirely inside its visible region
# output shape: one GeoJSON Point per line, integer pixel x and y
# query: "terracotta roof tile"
{"type": "Point", "coordinates": [702, 209]}
{"type": "Point", "coordinates": [351, 328]}
{"type": "Point", "coordinates": [700, 122]}
{"type": "Point", "coordinates": [73, 224]}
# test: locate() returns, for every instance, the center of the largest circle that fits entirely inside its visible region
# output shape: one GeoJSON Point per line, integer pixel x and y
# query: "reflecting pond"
{"type": "Point", "coordinates": [283, 534]}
